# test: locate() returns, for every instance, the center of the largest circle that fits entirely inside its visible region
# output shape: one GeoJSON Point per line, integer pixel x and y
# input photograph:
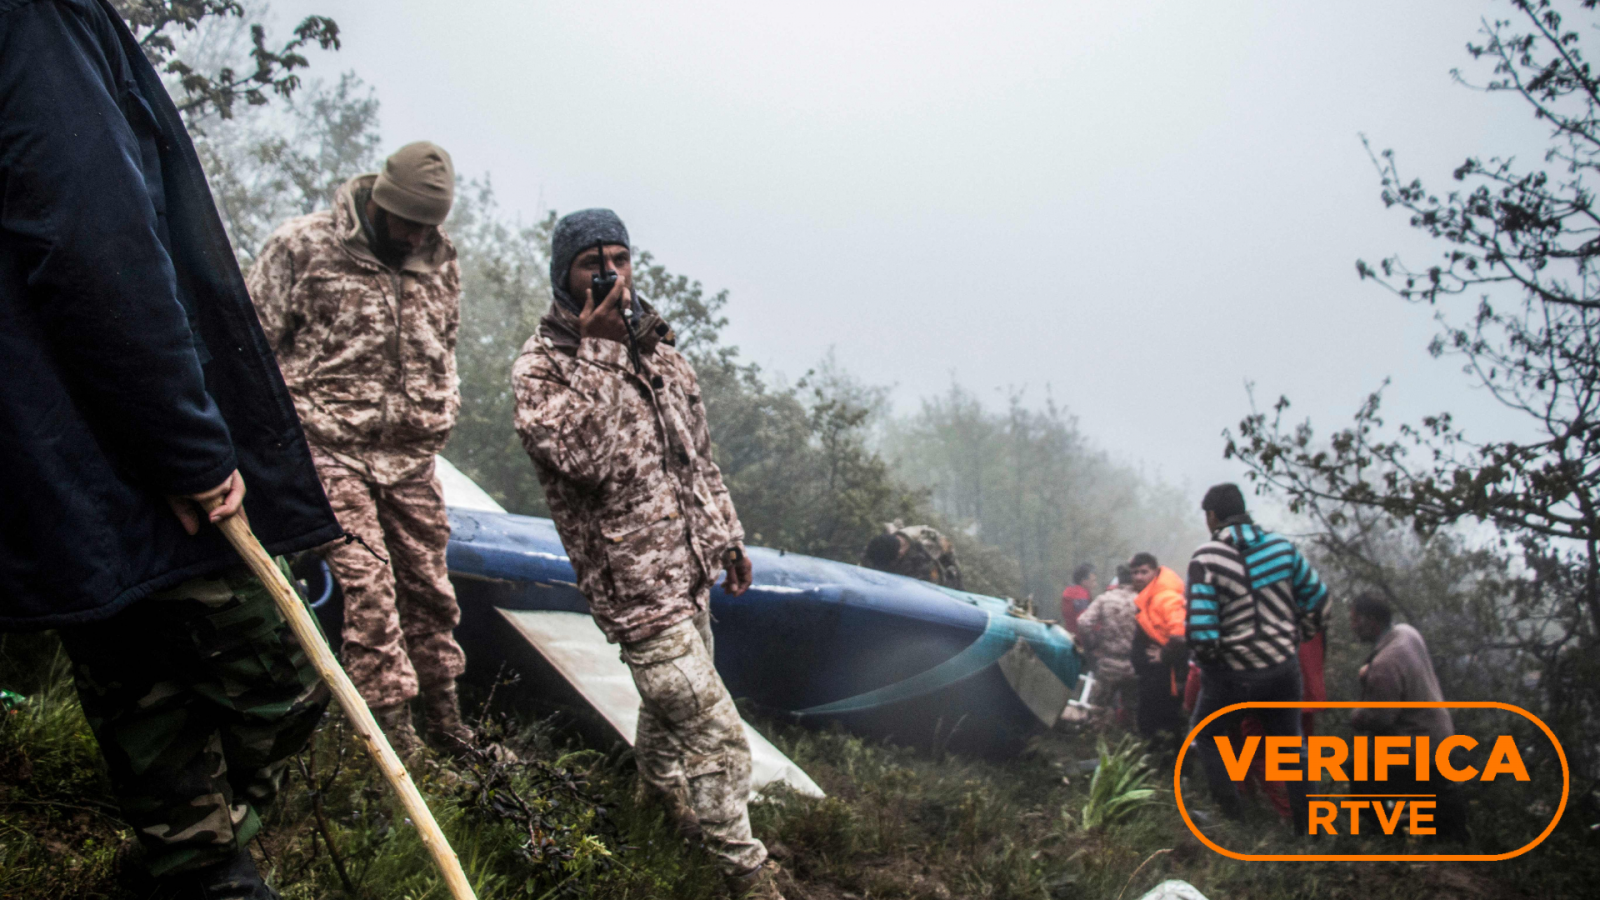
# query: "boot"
{"type": "Point", "coordinates": [760, 883]}
{"type": "Point", "coordinates": [441, 716]}
{"type": "Point", "coordinates": [395, 721]}
{"type": "Point", "coordinates": [231, 879]}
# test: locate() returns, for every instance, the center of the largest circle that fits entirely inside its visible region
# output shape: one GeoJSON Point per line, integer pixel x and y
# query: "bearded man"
{"type": "Point", "coordinates": [361, 303]}
{"type": "Point", "coordinates": [612, 417]}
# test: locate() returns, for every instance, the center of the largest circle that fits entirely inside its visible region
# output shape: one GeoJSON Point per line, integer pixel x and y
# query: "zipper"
{"type": "Point", "coordinates": [399, 329]}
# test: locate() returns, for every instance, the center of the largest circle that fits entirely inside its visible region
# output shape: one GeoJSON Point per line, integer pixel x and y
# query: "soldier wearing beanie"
{"type": "Point", "coordinates": [361, 304]}
{"type": "Point", "coordinates": [618, 436]}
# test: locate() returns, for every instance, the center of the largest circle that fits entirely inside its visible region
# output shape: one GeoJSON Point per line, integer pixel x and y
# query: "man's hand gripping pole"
{"type": "Point", "coordinates": [238, 533]}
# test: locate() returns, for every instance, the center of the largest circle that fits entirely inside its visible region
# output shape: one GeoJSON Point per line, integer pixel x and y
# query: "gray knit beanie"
{"type": "Point", "coordinates": [418, 183]}
{"type": "Point", "coordinates": [575, 233]}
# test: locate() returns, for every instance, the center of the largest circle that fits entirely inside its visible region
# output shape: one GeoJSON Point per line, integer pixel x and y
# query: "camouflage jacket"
{"type": "Point", "coordinates": [627, 471]}
{"type": "Point", "coordinates": [368, 352]}
{"type": "Point", "coordinates": [1106, 629]}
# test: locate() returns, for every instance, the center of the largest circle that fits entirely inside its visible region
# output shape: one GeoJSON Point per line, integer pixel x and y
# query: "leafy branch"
{"type": "Point", "coordinates": [155, 23]}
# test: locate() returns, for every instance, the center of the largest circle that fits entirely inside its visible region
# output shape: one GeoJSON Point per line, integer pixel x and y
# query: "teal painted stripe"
{"type": "Point", "coordinates": [998, 637]}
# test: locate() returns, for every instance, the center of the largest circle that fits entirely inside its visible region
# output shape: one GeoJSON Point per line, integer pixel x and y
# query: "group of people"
{"type": "Point", "coordinates": [148, 383]}
{"type": "Point", "coordinates": [1246, 625]}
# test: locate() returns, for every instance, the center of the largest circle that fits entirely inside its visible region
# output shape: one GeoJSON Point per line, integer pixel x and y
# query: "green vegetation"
{"type": "Point", "coordinates": [896, 823]}
{"type": "Point", "coordinates": [1124, 781]}
{"type": "Point", "coordinates": [1518, 308]}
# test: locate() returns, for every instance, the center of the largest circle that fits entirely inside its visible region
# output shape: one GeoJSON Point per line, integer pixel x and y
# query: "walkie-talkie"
{"type": "Point", "coordinates": [600, 285]}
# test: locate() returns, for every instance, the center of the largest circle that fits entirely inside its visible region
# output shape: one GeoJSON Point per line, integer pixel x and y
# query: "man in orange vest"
{"type": "Point", "coordinates": [1160, 652]}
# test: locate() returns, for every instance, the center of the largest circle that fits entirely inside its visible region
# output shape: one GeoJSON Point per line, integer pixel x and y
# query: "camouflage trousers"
{"type": "Point", "coordinates": [399, 615]}
{"type": "Point", "coordinates": [691, 745]}
{"type": "Point", "coordinates": [198, 696]}
{"type": "Point", "coordinates": [1116, 693]}
{"type": "Point", "coordinates": [1114, 687]}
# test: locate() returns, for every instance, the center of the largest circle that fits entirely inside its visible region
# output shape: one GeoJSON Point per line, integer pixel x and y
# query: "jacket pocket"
{"type": "Point", "coordinates": [646, 556]}
{"type": "Point", "coordinates": [346, 410]}
{"type": "Point", "coordinates": [429, 415]}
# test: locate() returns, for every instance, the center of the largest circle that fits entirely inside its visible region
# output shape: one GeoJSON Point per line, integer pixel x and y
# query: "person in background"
{"type": "Point", "coordinates": [1105, 632]}
{"type": "Point", "coordinates": [138, 397]}
{"type": "Point", "coordinates": [1158, 652]}
{"type": "Point", "coordinates": [1075, 599]}
{"type": "Point", "coordinates": [1252, 599]}
{"type": "Point", "coordinates": [361, 303]}
{"type": "Point", "coordinates": [915, 551]}
{"type": "Point", "coordinates": [1400, 669]}
{"type": "Point", "coordinates": [611, 416]}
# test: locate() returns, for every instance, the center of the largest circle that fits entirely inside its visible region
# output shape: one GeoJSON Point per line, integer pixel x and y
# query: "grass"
{"type": "Point", "coordinates": [1123, 781]}
{"type": "Point", "coordinates": [896, 823]}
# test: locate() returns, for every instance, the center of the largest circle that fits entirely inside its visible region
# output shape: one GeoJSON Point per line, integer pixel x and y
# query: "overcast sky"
{"type": "Point", "coordinates": [1139, 205]}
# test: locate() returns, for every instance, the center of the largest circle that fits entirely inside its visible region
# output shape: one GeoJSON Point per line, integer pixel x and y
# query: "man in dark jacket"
{"type": "Point", "coordinates": [134, 382]}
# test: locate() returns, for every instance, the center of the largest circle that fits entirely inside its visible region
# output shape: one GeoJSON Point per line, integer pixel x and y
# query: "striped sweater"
{"type": "Point", "coordinates": [1255, 624]}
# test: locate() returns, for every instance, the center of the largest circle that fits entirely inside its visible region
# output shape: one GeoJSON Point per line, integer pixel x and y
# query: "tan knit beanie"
{"type": "Point", "coordinates": [418, 183]}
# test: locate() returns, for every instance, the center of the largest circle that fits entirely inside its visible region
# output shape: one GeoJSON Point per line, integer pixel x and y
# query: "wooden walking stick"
{"type": "Point", "coordinates": [238, 532]}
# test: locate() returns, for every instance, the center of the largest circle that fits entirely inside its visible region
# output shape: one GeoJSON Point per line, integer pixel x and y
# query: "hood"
{"type": "Point", "coordinates": [425, 260]}
{"type": "Point", "coordinates": [1244, 536]}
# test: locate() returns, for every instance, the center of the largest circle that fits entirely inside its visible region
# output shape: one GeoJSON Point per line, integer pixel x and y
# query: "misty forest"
{"type": "Point", "coordinates": [1490, 548]}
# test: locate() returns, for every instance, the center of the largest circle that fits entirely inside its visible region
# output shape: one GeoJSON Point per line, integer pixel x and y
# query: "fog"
{"type": "Point", "coordinates": [1138, 207]}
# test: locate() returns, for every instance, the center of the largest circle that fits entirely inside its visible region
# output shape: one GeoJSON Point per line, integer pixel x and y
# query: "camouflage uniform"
{"type": "Point", "coordinates": [627, 471]}
{"type": "Point", "coordinates": [1106, 630]}
{"type": "Point", "coordinates": [929, 556]}
{"type": "Point", "coordinates": [690, 746]}
{"type": "Point", "coordinates": [625, 461]}
{"type": "Point", "coordinates": [198, 696]}
{"type": "Point", "coordinates": [368, 353]}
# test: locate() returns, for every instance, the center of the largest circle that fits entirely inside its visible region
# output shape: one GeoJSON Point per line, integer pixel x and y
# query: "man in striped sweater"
{"type": "Point", "coordinates": [1252, 599]}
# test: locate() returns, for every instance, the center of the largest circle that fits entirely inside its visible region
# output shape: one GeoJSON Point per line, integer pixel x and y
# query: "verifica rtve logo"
{"type": "Point", "coordinates": [1371, 762]}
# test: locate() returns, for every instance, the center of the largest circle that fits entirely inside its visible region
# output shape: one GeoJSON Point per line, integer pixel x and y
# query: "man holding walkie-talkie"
{"type": "Point", "coordinates": [611, 415]}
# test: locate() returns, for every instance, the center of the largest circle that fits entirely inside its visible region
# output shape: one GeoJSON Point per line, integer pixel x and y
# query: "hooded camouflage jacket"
{"type": "Point", "coordinates": [368, 352]}
{"type": "Point", "coordinates": [627, 471]}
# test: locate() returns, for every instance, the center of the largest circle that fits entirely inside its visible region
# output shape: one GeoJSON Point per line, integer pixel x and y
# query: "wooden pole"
{"type": "Point", "coordinates": [238, 532]}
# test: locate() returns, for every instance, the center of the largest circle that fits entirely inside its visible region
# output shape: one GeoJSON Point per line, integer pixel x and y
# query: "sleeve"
{"type": "Point", "coordinates": [80, 208]}
{"type": "Point", "coordinates": [1170, 614]}
{"type": "Point", "coordinates": [711, 471]}
{"type": "Point", "coordinates": [452, 327]}
{"type": "Point", "coordinates": [271, 284]}
{"type": "Point", "coordinates": [1201, 597]}
{"type": "Point", "coordinates": [1089, 625]}
{"type": "Point", "coordinates": [565, 424]}
{"type": "Point", "coordinates": [1384, 683]}
{"type": "Point", "coordinates": [1310, 595]}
